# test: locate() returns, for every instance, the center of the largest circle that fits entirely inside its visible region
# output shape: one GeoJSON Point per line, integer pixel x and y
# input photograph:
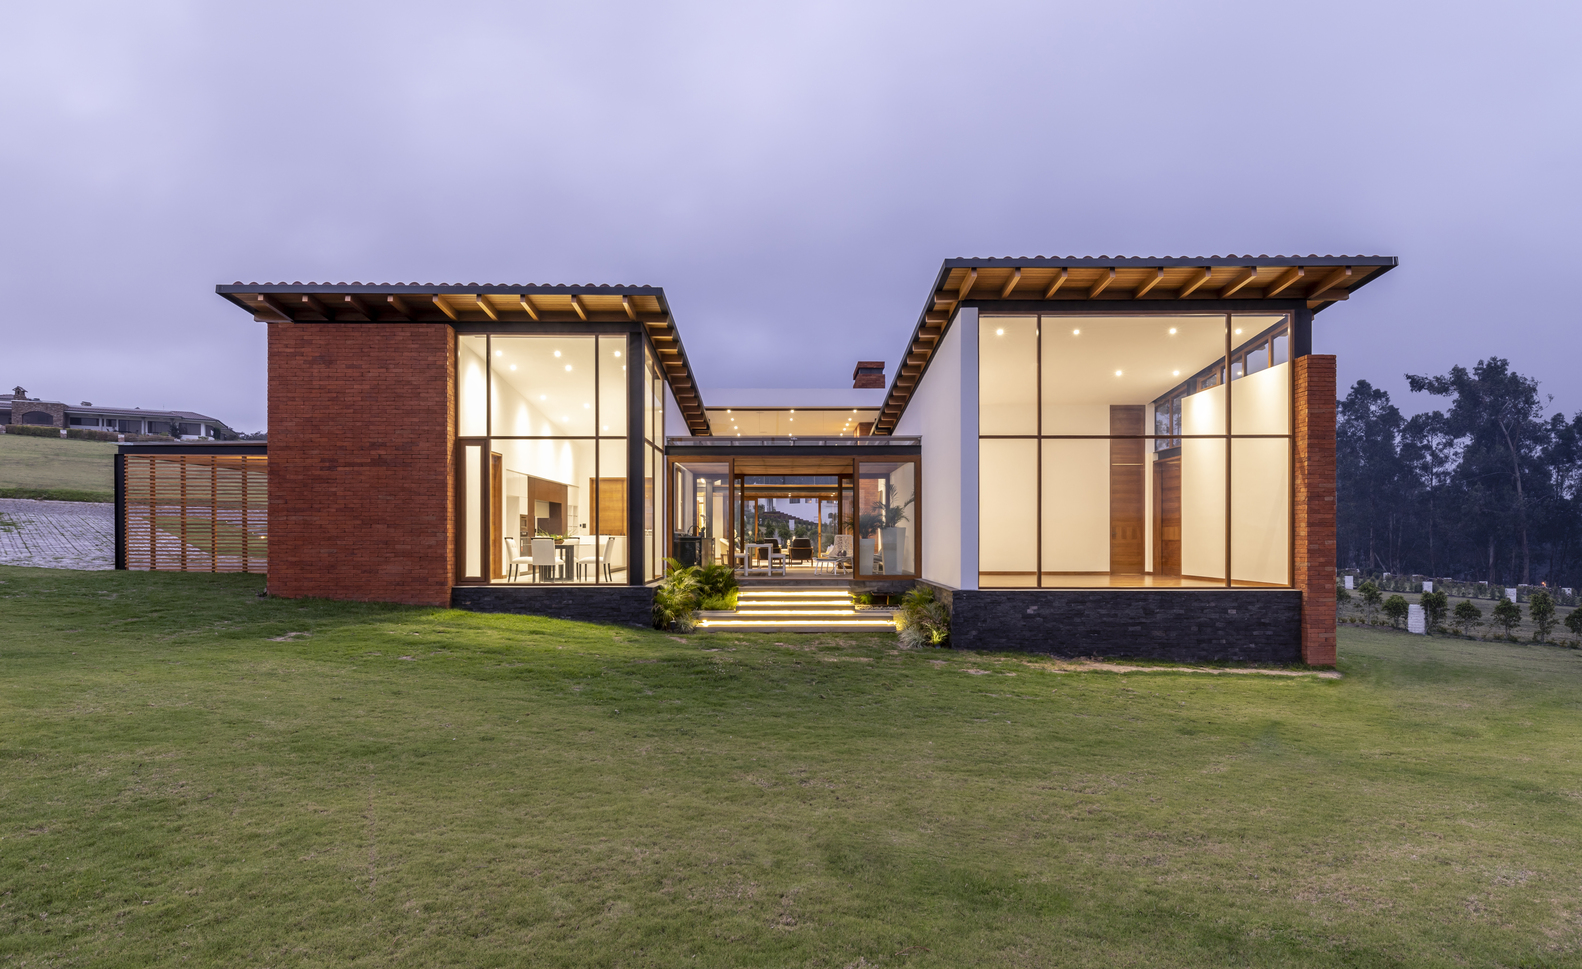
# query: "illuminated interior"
{"type": "Point", "coordinates": [788, 422]}
{"type": "Point", "coordinates": [1108, 455]}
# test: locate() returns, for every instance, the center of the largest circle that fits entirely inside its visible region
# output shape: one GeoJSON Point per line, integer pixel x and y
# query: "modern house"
{"type": "Point", "coordinates": [1116, 456]}
{"type": "Point", "coordinates": [183, 424]}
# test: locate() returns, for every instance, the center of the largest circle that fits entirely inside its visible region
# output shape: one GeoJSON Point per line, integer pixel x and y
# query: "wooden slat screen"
{"type": "Point", "coordinates": [197, 512]}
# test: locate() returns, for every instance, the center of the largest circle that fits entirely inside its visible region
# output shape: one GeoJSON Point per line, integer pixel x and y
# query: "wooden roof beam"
{"type": "Point", "coordinates": [1285, 281]}
{"type": "Point", "coordinates": [576, 304]}
{"type": "Point", "coordinates": [1102, 284]}
{"type": "Point", "coordinates": [1059, 280]}
{"type": "Point", "coordinates": [270, 303]}
{"type": "Point", "coordinates": [1150, 284]}
{"type": "Point", "coordinates": [1235, 285]}
{"type": "Point", "coordinates": [483, 304]}
{"type": "Point", "coordinates": [399, 305]}
{"type": "Point", "coordinates": [631, 311]}
{"type": "Point", "coordinates": [1330, 282]}
{"type": "Point", "coordinates": [445, 308]}
{"type": "Point", "coordinates": [1192, 285]}
{"type": "Point", "coordinates": [316, 307]}
{"type": "Point", "coordinates": [1010, 284]}
{"type": "Point", "coordinates": [356, 306]}
{"type": "Point", "coordinates": [527, 306]}
{"type": "Point", "coordinates": [966, 285]}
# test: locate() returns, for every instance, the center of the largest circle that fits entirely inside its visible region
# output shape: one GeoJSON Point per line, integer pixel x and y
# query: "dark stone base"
{"type": "Point", "coordinates": [624, 605]}
{"type": "Point", "coordinates": [1187, 626]}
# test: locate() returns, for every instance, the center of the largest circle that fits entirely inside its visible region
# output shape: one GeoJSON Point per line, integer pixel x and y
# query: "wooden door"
{"type": "Point", "coordinates": [1127, 490]}
{"type": "Point", "coordinates": [496, 515]}
{"type": "Point", "coordinates": [1167, 516]}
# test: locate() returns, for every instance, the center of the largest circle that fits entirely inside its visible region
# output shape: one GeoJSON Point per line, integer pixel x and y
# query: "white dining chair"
{"type": "Point", "coordinates": [514, 561]}
{"type": "Point", "coordinates": [543, 558]}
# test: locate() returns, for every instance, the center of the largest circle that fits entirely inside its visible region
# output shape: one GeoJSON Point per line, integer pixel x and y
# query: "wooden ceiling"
{"type": "Point", "coordinates": [1065, 284]}
{"type": "Point", "coordinates": [473, 303]}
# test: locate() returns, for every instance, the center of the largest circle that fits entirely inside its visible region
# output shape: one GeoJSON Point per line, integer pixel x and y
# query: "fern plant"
{"type": "Point", "coordinates": [676, 599]}
{"type": "Point", "coordinates": [924, 620]}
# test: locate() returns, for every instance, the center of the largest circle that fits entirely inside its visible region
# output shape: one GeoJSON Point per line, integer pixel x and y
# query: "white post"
{"type": "Point", "coordinates": [967, 333]}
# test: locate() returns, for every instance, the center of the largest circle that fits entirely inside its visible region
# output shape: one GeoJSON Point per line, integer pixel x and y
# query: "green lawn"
{"type": "Point", "coordinates": [191, 774]}
{"type": "Point", "coordinates": [40, 464]}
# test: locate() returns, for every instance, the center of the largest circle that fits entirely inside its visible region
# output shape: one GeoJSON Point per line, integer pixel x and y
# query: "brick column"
{"type": "Point", "coordinates": [1314, 491]}
{"type": "Point", "coordinates": [361, 476]}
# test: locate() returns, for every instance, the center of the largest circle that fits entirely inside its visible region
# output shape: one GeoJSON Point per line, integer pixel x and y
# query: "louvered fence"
{"type": "Point", "coordinates": [195, 512]}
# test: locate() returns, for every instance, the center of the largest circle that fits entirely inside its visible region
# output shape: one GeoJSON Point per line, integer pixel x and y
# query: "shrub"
{"type": "Point", "coordinates": [1541, 609]}
{"type": "Point", "coordinates": [1395, 610]}
{"type": "Point", "coordinates": [924, 620]}
{"type": "Point", "coordinates": [33, 430]}
{"type": "Point", "coordinates": [1342, 595]}
{"type": "Point", "coordinates": [676, 600]}
{"type": "Point", "coordinates": [89, 434]}
{"type": "Point", "coordinates": [1468, 616]}
{"type": "Point", "coordinates": [1507, 615]}
{"type": "Point", "coordinates": [1371, 597]}
{"type": "Point", "coordinates": [1574, 622]}
{"type": "Point", "coordinates": [1436, 606]}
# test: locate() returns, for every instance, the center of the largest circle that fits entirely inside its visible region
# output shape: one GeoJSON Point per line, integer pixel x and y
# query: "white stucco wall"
{"type": "Point", "coordinates": [943, 411]}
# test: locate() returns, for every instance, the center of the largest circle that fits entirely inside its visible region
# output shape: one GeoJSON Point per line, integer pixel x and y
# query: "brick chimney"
{"type": "Point", "coordinates": [869, 375]}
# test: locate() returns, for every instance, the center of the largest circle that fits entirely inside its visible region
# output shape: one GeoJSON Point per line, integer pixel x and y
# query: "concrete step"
{"type": "Point", "coordinates": [796, 610]}
{"type": "Point", "coordinates": [808, 624]}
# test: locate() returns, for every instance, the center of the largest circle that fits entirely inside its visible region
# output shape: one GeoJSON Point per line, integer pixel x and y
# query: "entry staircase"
{"type": "Point", "coordinates": [796, 610]}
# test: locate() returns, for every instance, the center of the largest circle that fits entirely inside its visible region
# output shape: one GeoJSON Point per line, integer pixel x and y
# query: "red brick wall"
{"type": "Point", "coordinates": [360, 469]}
{"type": "Point", "coordinates": [1314, 487]}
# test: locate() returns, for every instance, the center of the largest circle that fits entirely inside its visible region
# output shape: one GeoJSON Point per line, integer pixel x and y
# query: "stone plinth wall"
{"type": "Point", "coordinates": [1187, 626]}
{"type": "Point", "coordinates": [624, 605]}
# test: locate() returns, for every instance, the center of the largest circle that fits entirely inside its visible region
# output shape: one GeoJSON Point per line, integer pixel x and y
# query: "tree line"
{"type": "Point", "coordinates": [1487, 489]}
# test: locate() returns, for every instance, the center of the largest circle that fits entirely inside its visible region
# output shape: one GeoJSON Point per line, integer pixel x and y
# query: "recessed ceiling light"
{"type": "Point", "coordinates": [499, 353]}
{"type": "Point", "coordinates": [617, 353]}
{"type": "Point", "coordinates": [568, 368]}
{"type": "Point", "coordinates": [1172, 331]}
{"type": "Point", "coordinates": [606, 427]}
{"type": "Point", "coordinates": [542, 397]}
{"type": "Point", "coordinates": [1076, 332]}
{"type": "Point", "coordinates": [1117, 373]}
{"type": "Point", "coordinates": [727, 410]}
{"type": "Point", "coordinates": [586, 406]}
{"type": "Point", "coordinates": [557, 353]}
{"type": "Point", "coordinates": [513, 366]}
{"type": "Point", "coordinates": [1238, 331]}
{"type": "Point", "coordinates": [1000, 332]}
{"type": "Point", "coordinates": [564, 418]}
{"type": "Point", "coordinates": [1175, 373]}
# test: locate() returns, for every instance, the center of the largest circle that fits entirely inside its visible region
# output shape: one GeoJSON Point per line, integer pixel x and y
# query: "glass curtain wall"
{"type": "Point", "coordinates": [701, 517]}
{"type": "Point", "coordinates": [653, 463]}
{"type": "Point", "coordinates": [886, 518]}
{"type": "Point", "coordinates": [1113, 451]}
{"type": "Point", "coordinates": [543, 477]}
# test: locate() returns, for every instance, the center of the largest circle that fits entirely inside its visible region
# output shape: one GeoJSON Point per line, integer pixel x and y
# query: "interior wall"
{"type": "Point", "coordinates": [934, 413]}
{"type": "Point", "coordinates": [472, 388]}
{"type": "Point", "coordinates": [1203, 485]}
{"type": "Point", "coordinates": [1261, 508]}
{"type": "Point", "coordinates": [1076, 506]}
{"type": "Point", "coordinates": [1008, 513]}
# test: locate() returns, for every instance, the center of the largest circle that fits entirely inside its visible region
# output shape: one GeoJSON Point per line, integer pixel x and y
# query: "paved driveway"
{"type": "Point", "coordinates": [57, 534]}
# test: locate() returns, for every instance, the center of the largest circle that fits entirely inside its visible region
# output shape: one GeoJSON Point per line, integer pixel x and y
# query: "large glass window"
{"type": "Point", "coordinates": [1134, 450]}
{"type": "Point", "coordinates": [543, 479]}
{"type": "Point", "coordinates": [886, 518]}
{"type": "Point", "coordinates": [653, 463]}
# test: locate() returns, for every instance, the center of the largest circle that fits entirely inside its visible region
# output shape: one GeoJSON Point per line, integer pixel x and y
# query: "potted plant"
{"type": "Point", "coordinates": [886, 519]}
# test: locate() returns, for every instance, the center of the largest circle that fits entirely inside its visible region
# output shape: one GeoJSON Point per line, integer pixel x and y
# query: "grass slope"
{"type": "Point", "coordinates": [39, 467]}
{"type": "Point", "coordinates": [189, 773]}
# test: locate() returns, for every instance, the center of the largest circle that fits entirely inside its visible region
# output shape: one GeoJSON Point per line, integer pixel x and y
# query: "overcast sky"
{"type": "Point", "coordinates": [792, 174]}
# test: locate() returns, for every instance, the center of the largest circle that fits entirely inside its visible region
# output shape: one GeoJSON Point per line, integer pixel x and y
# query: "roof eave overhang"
{"type": "Point", "coordinates": [1085, 283]}
{"type": "Point", "coordinates": [485, 304]}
